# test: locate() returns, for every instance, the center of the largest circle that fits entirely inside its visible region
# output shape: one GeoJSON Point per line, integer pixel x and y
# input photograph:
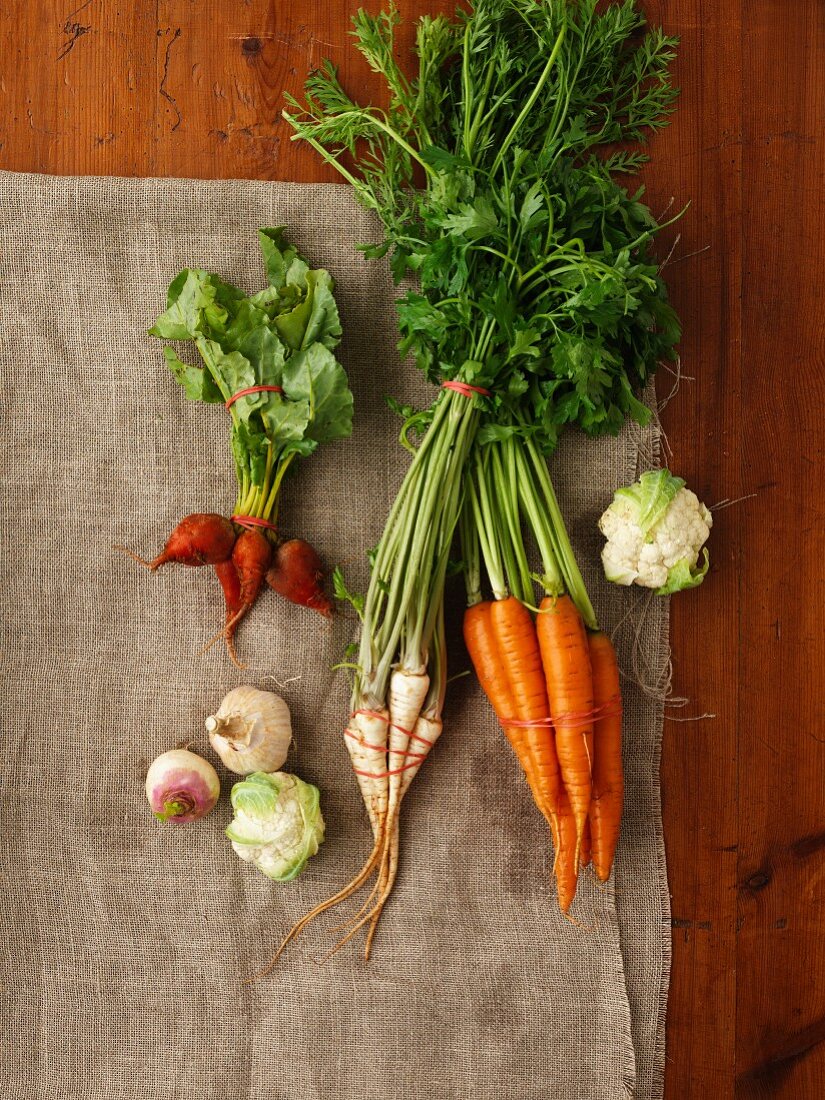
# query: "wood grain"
{"type": "Point", "coordinates": [194, 88]}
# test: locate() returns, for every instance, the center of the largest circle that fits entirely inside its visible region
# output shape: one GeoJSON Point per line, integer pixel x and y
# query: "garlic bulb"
{"type": "Point", "coordinates": [251, 731]}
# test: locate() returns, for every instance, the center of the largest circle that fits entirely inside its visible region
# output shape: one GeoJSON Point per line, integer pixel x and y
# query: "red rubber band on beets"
{"type": "Point", "coordinates": [252, 389]}
{"type": "Point", "coordinates": [465, 389]}
{"type": "Point", "coordinates": [253, 521]}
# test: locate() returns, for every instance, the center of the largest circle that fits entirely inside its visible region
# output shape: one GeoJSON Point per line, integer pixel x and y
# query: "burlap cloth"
{"type": "Point", "coordinates": [125, 941]}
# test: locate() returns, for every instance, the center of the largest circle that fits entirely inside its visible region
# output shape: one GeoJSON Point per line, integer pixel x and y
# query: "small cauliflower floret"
{"type": "Point", "coordinates": [655, 530]}
{"type": "Point", "coordinates": [277, 824]}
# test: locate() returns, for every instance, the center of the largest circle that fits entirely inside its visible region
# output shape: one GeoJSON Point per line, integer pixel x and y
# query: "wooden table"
{"type": "Point", "coordinates": [193, 88]}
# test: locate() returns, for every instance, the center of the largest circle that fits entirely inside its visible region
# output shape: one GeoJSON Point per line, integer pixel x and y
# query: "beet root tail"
{"type": "Point", "coordinates": [150, 565]}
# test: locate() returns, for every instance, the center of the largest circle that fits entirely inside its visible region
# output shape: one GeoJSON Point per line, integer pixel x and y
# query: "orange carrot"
{"type": "Point", "coordinates": [586, 852]}
{"type": "Point", "coordinates": [520, 658]}
{"type": "Point", "coordinates": [483, 649]}
{"type": "Point", "coordinates": [608, 782]}
{"type": "Point", "coordinates": [565, 867]}
{"type": "Point", "coordinates": [566, 660]}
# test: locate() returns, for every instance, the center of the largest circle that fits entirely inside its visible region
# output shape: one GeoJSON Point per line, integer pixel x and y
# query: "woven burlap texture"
{"type": "Point", "coordinates": [126, 941]}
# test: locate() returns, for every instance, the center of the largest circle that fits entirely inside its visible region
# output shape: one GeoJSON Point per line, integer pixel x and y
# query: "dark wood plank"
{"type": "Point", "coordinates": [194, 89]}
{"type": "Point", "coordinates": [698, 160]}
{"type": "Point", "coordinates": [781, 947]}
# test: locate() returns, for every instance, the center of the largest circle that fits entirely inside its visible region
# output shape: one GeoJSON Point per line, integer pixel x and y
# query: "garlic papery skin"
{"type": "Point", "coordinates": [251, 731]}
{"type": "Point", "coordinates": [181, 786]}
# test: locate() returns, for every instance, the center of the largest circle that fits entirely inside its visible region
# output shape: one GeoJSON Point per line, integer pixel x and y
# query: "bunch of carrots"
{"type": "Point", "coordinates": [536, 304]}
{"type": "Point", "coordinates": [552, 679]}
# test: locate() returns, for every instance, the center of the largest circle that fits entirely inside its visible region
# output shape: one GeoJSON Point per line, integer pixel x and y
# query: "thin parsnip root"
{"type": "Point", "coordinates": [347, 891]}
{"type": "Point", "coordinates": [427, 730]}
{"type": "Point", "coordinates": [366, 739]}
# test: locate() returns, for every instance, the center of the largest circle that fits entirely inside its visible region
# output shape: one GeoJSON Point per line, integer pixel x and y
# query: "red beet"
{"type": "Point", "coordinates": [241, 579]}
{"type": "Point", "coordinates": [297, 573]}
{"type": "Point", "coordinates": [231, 584]}
{"type": "Point", "coordinates": [203, 538]}
{"type": "Point", "coordinates": [251, 557]}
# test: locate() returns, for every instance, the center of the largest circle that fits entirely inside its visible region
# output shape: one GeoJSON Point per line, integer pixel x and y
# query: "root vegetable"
{"type": "Point", "coordinates": [566, 867]}
{"type": "Point", "coordinates": [297, 574]}
{"type": "Point", "coordinates": [538, 304]}
{"type": "Point", "coordinates": [566, 660]}
{"type": "Point", "coordinates": [267, 360]}
{"type": "Point", "coordinates": [608, 781]}
{"type": "Point", "coordinates": [484, 653]}
{"type": "Point", "coordinates": [204, 538]}
{"type": "Point", "coordinates": [518, 648]}
{"type": "Point", "coordinates": [181, 786]}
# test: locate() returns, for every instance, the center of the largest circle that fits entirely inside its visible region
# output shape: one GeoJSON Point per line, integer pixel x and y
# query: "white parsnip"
{"type": "Point", "coordinates": [366, 737]}
{"type": "Point", "coordinates": [426, 732]}
{"type": "Point", "coordinates": [408, 690]}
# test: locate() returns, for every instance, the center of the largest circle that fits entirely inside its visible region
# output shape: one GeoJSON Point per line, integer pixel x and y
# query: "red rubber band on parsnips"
{"type": "Point", "coordinates": [416, 758]}
{"type": "Point", "coordinates": [383, 718]}
{"type": "Point", "coordinates": [252, 389]}
{"type": "Point", "coordinates": [250, 522]}
{"type": "Point", "coordinates": [385, 775]}
{"type": "Point", "coordinates": [384, 748]}
{"type": "Point", "coordinates": [570, 720]}
{"type": "Point", "coordinates": [371, 714]}
{"type": "Point", "coordinates": [465, 389]}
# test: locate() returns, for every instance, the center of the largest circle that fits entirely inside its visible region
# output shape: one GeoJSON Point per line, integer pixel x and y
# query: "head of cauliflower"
{"type": "Point", "coordinates": [655, 530]}
{"type": "Point", "coordinates": [277, 824]}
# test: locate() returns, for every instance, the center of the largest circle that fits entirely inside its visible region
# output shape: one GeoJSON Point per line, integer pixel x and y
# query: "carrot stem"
{"type": "Point", "coordinates": [505, 494]}
{"type": "Point", "coordinates": [565, 558]}
{"type": "Point", "coordinates": [485, 526]}
{"type": "Point", "coordinates": [551, 579]}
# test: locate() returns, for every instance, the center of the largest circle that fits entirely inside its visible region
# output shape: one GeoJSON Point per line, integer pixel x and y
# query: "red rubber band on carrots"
{"type": "Point", "coordinates": [465, 389]}
{"type": "Point", "coordinates": [570, 720]}
{"type": "Point", "coordinates": [249, 522]}
{"type": "Point", "coordinates": [252, 389]}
